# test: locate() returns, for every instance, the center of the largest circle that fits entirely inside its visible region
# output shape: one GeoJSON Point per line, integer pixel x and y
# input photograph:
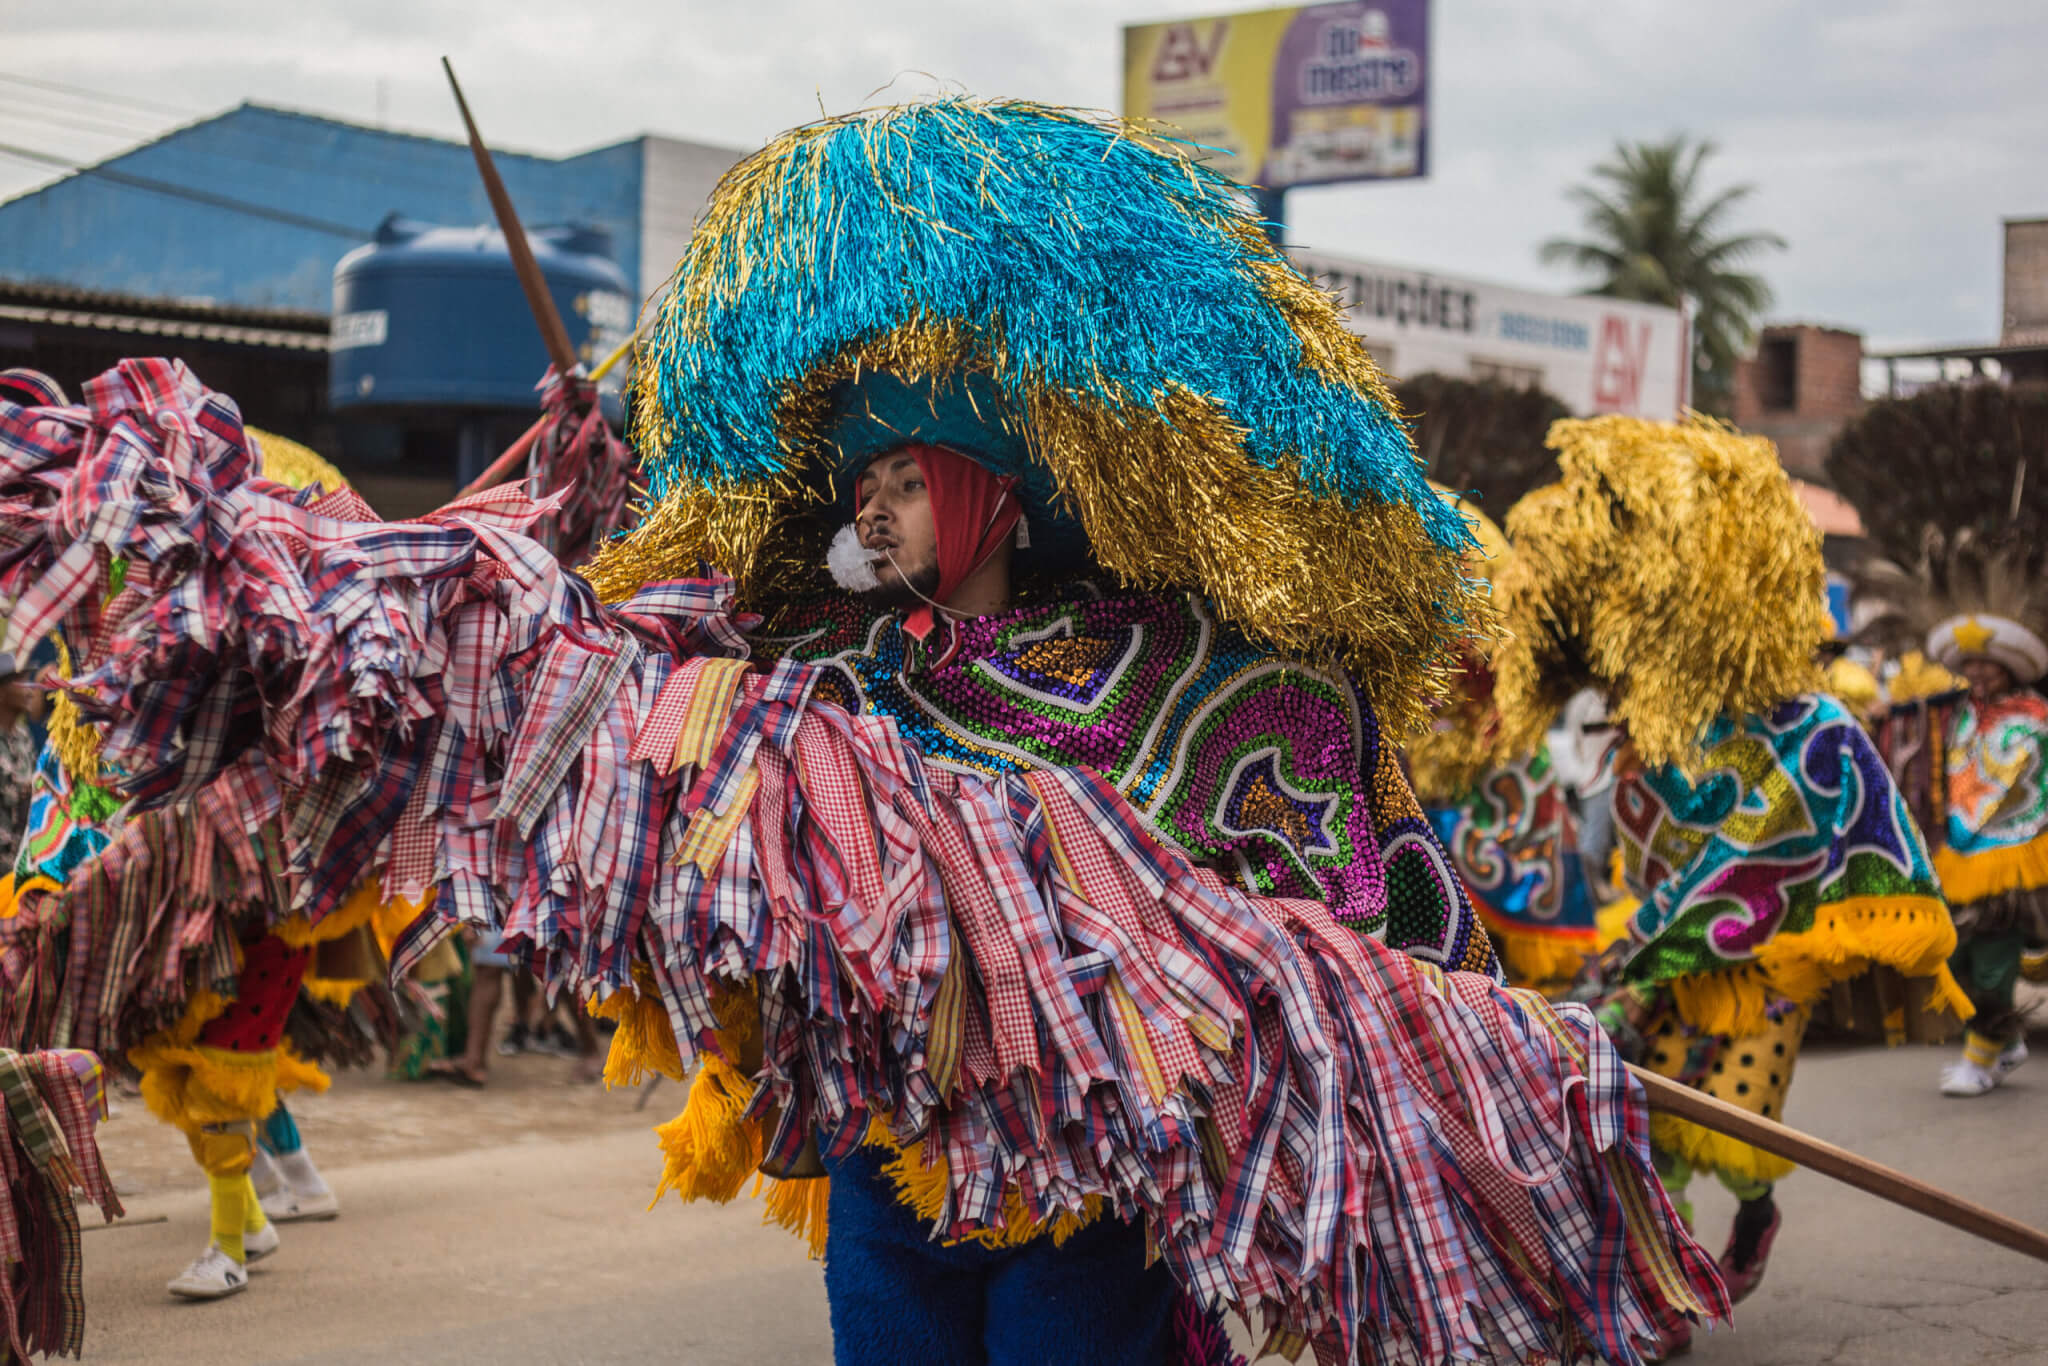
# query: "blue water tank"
{"type": "Point", "coordinates": [430, 316]}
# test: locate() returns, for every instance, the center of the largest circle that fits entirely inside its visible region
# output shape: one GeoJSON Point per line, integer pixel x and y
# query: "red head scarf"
{"type": "Point", "coordinates": [973, 510]}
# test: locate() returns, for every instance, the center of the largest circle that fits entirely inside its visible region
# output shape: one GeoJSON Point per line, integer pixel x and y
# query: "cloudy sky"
{"type": "Point", "coordinates": [1885, 138]}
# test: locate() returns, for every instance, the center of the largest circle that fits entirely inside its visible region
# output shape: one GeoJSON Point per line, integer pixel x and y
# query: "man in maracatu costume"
{"type": "Point", "coordinates": [1509, 828]}
{"type": "Point", "coordinates": [1674, 569]}
{"type": "Point", "coordinates": [1056, 886]}
{"type": "Point", "coordinates": [168, 939]}
{"type": "Point", "coordinates": [1981, 606]}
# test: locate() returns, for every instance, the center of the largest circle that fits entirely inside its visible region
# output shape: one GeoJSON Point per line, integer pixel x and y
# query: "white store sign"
{"type": "Point", "coordinates": [1597, 355]}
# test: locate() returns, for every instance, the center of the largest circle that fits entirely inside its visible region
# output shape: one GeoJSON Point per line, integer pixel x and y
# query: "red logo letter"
{"type": "Point", "coordinates": [1618, 366]}
{"type": "Point", "coordinates": [1182, 58]}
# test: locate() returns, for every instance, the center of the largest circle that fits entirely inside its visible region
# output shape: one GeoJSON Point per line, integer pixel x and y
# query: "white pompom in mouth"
{"type": "Point", "coordinates": [852, 564]}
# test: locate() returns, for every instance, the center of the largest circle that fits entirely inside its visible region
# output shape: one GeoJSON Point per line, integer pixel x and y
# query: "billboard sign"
{"type": "Point", "coordinates": [1597, 355]}
{"type": "Point", "coordinates": [1312, 95]}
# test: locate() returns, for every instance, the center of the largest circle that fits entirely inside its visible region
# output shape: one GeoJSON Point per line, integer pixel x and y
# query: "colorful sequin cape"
{"type": "Point", "coordinates": [1789, 863]}
{"type": "Point", "coordinates": [1248, 763]}
{"type": "Point", "coordinates": [1513, 842]}
{"type": "Point", "coordinates": [1995, 839]}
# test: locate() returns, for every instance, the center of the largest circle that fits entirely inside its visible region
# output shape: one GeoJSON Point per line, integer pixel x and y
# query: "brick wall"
{"type": "Point", "coordinates": [1799, 386]}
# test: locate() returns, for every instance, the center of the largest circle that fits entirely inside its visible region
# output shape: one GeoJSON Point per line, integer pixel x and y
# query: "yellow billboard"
{"type": "Point", "coordinates": [1309, 95]}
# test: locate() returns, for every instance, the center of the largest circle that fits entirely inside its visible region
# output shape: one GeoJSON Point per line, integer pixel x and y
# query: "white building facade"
{"type": "Point", "coordinates": [1596, 355]}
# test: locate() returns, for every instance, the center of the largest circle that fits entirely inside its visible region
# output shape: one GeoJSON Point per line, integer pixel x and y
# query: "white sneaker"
{"type": "Point", "coordinates": [289, 1206]}
{"type": "Point", "coordinates": [2009, 1058]}
{"type": "Point", "coordinates": [260, 1244]}
{"type": "Point", "coordinates": [215, 1276]}
{"type": "Point", "coordinates": [1966, 1078]}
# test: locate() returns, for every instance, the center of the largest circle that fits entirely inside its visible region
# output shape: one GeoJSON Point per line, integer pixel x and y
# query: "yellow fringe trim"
{"type": "Point", "coordinates": [709, 1151]}
{"type": "Point", "coordinates": [336, 991]}
{"type": "Point", "coordinates": [394, 917]}
{"type": "Point", "coordinates": [358, 909]}
{"type": "Point", "coordinates": [191, 1086]}
{"type": "Point", "coordinates": [924, 1189]}
{"type": "Point", "coordinates": [1910, 933]}
{"type": "Point", "coordinates": [1537, 958]}
{"type": "Point", "coordinates": [1611, 921]}
{"type": "Point", "coordinates": [645, 1043]}
{"type": "Point", "coordinates": [1709, 1151]}
{"type": "Point", "coordinates": [295, 1073]}
{"type": "Point", "coordinates": [1974, 877]}
{"type": "Point", "coordinates": [800, 1207]}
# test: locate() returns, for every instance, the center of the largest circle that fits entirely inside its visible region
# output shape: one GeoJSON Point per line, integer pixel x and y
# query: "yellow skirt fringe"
{"type": "Point", "coordinates": [1910, 933]}
{"type": "Point", "coordinates": [359, 908]}
{"type": "Point", "coordinates": [1974, 877]}
{"type": "Point", "coordinates": [1539, 958]}
{"type": "Point", "coordinates": [187, 1084]}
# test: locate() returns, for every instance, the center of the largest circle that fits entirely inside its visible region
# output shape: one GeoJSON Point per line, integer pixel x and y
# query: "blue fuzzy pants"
{"type": "Point", "coordinates": [899, 1299]}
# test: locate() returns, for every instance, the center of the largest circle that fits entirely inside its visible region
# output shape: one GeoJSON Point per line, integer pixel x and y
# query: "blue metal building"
{"type": "Point", "coordinates": [218, 242]}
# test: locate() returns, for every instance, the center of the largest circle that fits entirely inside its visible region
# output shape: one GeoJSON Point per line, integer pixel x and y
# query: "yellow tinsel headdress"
{"type": "Point", "coordinates": [1457, 747]}
{"type": "Point", "coordinates": [1672, 568]}
{"type": "Point", "coordinates": [287, 462]}
{"type": "Point", "coordinates": [1178, 403]}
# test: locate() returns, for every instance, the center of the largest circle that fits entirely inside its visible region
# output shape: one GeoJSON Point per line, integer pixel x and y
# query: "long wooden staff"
{"type": "Point", "coordinates": [515, 454]}
{"type": "Point", "coordinates": [538, 298]}
{"type": "Point", "coordinates": [530, 279]}
{"type": "Point", "coordinates": [1825, 1158]}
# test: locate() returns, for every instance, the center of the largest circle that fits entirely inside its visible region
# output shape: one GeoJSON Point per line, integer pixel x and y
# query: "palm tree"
{"type": "Point", "coordinates": [1649, 237]}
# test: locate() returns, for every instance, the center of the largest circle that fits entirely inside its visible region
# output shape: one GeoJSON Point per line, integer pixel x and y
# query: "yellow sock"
{"type": "Point", "coordinates": [229, 1220]}
{"type": "Point", "coordinates": [1979, 1049]}
{"type": "Point", "coordinates": [253, 1219]}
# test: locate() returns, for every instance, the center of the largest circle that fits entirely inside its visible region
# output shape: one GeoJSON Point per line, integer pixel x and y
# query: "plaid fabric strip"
{"type": "Point", "coordinates": [710, 709]}
{"type": "Point", "coordinates": [655, 743]}
{"type": "Point", "coordinates": [573, 691]}
{"type": "Point", "coordinates": [977, 911]}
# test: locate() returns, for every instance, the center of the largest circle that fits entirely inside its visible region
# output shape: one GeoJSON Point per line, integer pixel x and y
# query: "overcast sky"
{"type": "Point", "coordinates": [1885, 138]}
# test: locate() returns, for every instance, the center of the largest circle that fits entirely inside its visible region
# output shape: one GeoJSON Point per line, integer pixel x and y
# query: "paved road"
{"type": "Point", "coordinates": [509, 1226]}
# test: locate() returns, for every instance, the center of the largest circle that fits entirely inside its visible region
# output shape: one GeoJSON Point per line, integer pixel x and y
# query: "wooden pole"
{"type": "Point", "coordinates": [530, 278]}
{"type": "Point", "coordinates": [497, 471]}
{"type": "Point", "coordinates": [1825, 1158]}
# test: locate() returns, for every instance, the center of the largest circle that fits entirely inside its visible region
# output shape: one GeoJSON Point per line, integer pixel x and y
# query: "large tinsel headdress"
{"type": "Point", "coordinates": [287, 462]}
{"type": "Point", "coordinates": [1458, 746]}
{"type": "Point", "coordinates": [1672, 568]}
{"type": "Point", "coordinates": [1967, 596]}
{"type": "Point", "coordinates": [1105, 319]}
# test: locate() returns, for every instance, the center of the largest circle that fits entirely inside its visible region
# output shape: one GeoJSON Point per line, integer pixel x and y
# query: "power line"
{"type": "Point", "coordinates": [165, 187]}
{"type": "Point", "coordinates": [64, 118]}
{"type": "Point", "coordinates": [60, 88]}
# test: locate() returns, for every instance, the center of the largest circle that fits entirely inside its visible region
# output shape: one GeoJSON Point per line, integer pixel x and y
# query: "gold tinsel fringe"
{"type": "Point", "coordinates": [1673, 568]}
{"type": "Point", "coordinates": [1309, 577]}
{"type": "Point", "coordinates": [285, 461]}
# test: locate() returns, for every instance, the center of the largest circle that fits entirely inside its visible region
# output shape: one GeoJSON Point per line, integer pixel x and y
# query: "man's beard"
{"type": "Point", "coordinates": [912, 591]}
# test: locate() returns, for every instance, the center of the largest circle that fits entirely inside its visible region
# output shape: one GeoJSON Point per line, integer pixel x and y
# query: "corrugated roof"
{"type": "Point", "coordinates": [63, 306]}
